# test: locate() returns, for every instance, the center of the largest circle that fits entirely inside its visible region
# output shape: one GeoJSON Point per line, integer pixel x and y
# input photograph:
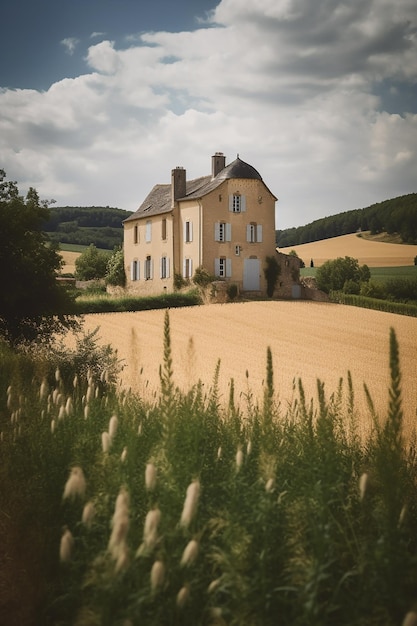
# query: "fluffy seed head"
{"type": "Point", "coordinates": [410, 619]}
{"type": "Point", "coordinates": [88, 514]}
{"type": "Point", "coordinates": [190, 503]}
{"type": "Point", "coordinates": [269, 485]}
{"type": "Point", "coordinates": [75, 485]}
{"type": "Point", "coordinates": [123, 456]}
{"type": "Point", "coordinates": [183, 596]}
{"type": "Point", "coordinates": [157, 575]}
{"type": "Point", "coordinates": [150, 530]}
{"type": "Point", "coordinates": [66, 546]}
{"type": "Point", "coordinates": [150, 477]}
{"type": "Point", "coordinates": [239, 458]}
{"type": "Point", "coordinates": [363, 484]}
{"type": "Point", "coordinates": [105, 442]}
{"type": "Point", "coordinates": [190, 553]}
{"type": "Point", "coordinates": [113, 424]}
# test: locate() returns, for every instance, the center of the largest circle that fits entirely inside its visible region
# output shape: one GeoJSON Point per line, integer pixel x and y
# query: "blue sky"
{"type": "Point", "coordinates": [100, 99]}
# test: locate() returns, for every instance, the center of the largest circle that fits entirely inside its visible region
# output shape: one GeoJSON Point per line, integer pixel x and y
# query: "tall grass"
{"type": "Point", "coordinates": [194, 512]}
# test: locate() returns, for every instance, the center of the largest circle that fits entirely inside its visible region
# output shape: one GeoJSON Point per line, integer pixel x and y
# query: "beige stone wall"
{"type": "Point", "coordinates": [289, 276]}
{"type": "Point", "coordinates": [156, 248]}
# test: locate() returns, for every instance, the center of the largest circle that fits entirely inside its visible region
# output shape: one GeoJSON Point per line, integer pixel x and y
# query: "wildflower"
{"type": "Point", "coordinates": [150, 477]}
{"type": "Point", "coordinates": [150, 530]}
{"type": "Point", "coordinates": [61, 413]}
{"type": "Point", "coordinates": [57, 375]}
{"type": "Point", "coordinates": [88, 514]}
{"type": "Point", "coordinates": [190, 504]}
{"type": "Point", "coordinates": [183, 595]}
{"type": "Point", "coordinates": [90, 393]}
{"type": "Point", "coordinates": [239, 458]}
{"type": "Point", "coordinates": [269, 485]}
{"type": "Point", "coordinates": [68, 406]}
{"type": "Point", "coordinates": [249, 447]}
{"type": "Point", "coordinates": [122, 562]}
{"type": "Point", "coordinates": [219, 453]}
{"type": "Point", "coordinates": [213, 585]}
{"type": "Point", "coordinates": [66, 545]}
{"type": "Point", "coordinates": [157, 575]}
{"type": "Point", "coordinates": [75, 382]}
{"type": "Point", "coordinates": [53, 424]}
{"type": "Point", "coordinates": [120, 523]}
{"type": "Point", "coordinates": [86, 411]}
{"type": "Point", "coordinates": [75, 485]}
{"type": "Point", "coordinates": [123, 456]}
{"type": "Point", "coordinates": [410, 619]}
{"type": "Point", "coordinates": [43, 390]}
{"type": "Point", "coordinates": [363, 485]}
{"type": "Point", "coordinates": [190, 553]}
{"type": "Point", "coordinates": [113, 427]}
{"type": "Point", "coordinates": [105, 442]}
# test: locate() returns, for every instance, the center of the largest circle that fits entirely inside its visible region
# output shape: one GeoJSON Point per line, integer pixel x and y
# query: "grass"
{"type": "Point", "coordinates": [204, 513]}
{"type": "Point", "coordinates": [377, 273]}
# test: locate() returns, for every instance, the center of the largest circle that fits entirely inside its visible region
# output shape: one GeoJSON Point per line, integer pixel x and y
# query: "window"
{"type": "Point", "coordinates": [188, 231]}
{"type": "Point", "coordinates": [148, 233]}
{"type": "Point", "coordinates": [148, 268]}
{"type": "Point", "coordinates": [222, 231]}
{"type": "Point", "coordinates": [164, 267]}
{"type": "Point", "coordinates": [164, 228]}
{"type": "Point", "coordinates": [237, 203]}
{"type": "Point", "coordinates": [188, 268]}
{"type": "Point", "coordinates": [136, 234]}
{"type": "Point", "coordinates": [223, 267]}
{"type": "Point", "coordinates": [254, 233]}
{"type": "Point", "coordinates": [134, 270]}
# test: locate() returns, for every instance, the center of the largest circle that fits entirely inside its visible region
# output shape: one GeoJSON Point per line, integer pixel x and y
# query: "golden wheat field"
{"type": "Point", "coordinates": [309, 340]}
{"type": "Point", "coordinates": [69, 260]}
{"type": "Point", "coordinates": [371, 253]}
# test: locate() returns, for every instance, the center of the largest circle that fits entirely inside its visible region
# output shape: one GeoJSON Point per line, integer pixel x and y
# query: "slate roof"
{"type": "Point", "coordinates": [159, 199]}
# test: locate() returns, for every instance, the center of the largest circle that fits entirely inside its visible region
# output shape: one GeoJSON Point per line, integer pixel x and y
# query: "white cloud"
{"type": "Point", "coordinates": [70, 43]}
{"type": "Point", "coordinates": [287, 84]}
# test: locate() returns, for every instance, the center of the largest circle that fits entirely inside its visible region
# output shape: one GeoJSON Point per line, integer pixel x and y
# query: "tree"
{"type": "Point", "coordinates": [115, 271]}
{"type": "Point", "coordinates": [334, 275]}
{"type": "Point", "coordinates": [33, 305]}
{"type": "Point", "coordinates": [91, 264]}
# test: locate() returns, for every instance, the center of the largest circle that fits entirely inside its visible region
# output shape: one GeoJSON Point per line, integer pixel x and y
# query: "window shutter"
{"type": "Point", "coordinates": [190, 267]}
{"type": "Point", "coordinates": [228, 232]}
{"type": "Point", "coordinates": [248, 232]}
{"type": "Point", "coordinates": [228, 268]}
{"type": "Point", "coordinates": [259, 233]}
{"type": "Point", "coordinates": [242, 204]}
{"type": "Point", "coordinates": [161, 266]}
{"type": "Point", "coordinates": [231, 202]}
{"type": "Point", "coordinates": [217, 267]}
{"type": "Point", "coordinates": [167, 266]}
{"type": "Point", "coordinates": [217, 231]}
{"type": "Point", "coordinates": [184, 268]}
{"type": "Point", "coordinates": [151, 269]}
{"type": "Point", "coordinates": [137, 270]}
{"type": "Point", "coordinates": [132, 271]}
{"type": "Point", "coordinates": [191, 230]}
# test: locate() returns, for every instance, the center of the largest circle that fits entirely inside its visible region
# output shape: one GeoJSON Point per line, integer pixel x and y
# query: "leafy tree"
{"type": "Point", "coordinates": [115, 270]}
{"type": "Point", "coordinates": [91, 264]}
{"type": "Point", "coordinates": [272, 271]}
{"type": "Point", "coordinates": [334, 275]}
{"type": "Point", "coordinates": [33, 304]}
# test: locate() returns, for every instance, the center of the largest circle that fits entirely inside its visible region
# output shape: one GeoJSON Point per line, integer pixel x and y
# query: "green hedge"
{"type": "Point", "coordinates": [374, 303]}
{"type": "Point", "coordinates": [118, 305]}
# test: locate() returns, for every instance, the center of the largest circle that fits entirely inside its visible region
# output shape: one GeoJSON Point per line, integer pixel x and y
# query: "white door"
{"type": "Point", "coordinates": [251, 275]}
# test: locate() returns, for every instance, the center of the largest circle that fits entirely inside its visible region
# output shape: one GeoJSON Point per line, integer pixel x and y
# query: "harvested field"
{"type": "Point", "coordinates": [69, 260]}
{"type": "Point", "coordinates": [370, 252]}
{"type": "Point", "coordinates": [309, 340]}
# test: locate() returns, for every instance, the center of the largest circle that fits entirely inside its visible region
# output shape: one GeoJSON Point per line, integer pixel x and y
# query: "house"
{"type": "Point", "coordinates": [223, 222]}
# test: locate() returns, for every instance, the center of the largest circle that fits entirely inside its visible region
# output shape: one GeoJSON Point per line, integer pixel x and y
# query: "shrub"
{"type": "Point", "coordinates": [115, 270]}
{"type": "Point", "coordinates": [179, 281]}
{"type": "Point", "coordinates": [91, 264]}
{"type": "Point", "coordinates": [232, 291]}
{"type": "Point", "coordinates": [333, 274]}
{"type": "Point", "coordinates": [271, 273]}
{"type": "Point", "coordinates": [202, 277]}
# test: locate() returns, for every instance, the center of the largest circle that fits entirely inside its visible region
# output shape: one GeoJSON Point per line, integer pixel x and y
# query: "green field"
{"type": "Point", "coordinates": [377, 273]}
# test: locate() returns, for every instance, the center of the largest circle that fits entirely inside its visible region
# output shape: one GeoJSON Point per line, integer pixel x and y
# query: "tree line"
{"type": "Point", "coordinates": [397, 215]}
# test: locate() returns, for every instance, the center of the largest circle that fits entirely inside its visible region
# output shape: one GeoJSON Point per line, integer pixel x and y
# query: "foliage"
{"type": "Point", "coordinates": [33, 304]}
{"type": "Point", "coordinates": [294, 253]}
{"type": "Point", "coordinates": [399, 308]}
{"type": "Point", "coordinates": [91, 264]}
{"type": "Point", "coordinates": [107, 304]}
{"type": "Point", "coordinates": [115, 270]}
{"type": "Point", "coordinates": [102, 226]}
{"type": "Point", "coordinates": [232, 291]}
{"type": "Point", "coordinates": [179, 281]}
{"type": "Point", "coordinates": [202, 277]}
{"type": "Point", "coordinates": [340, 274]}
{"type": "Point", "coordinates": [272, 271]}
{"type": "Point", "coordinates": [397, 215]}
{"type": "Point", "coordinates": [186, 511]}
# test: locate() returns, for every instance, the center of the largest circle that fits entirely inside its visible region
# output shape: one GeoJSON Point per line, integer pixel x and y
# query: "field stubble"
{"type": "Point", "coordinates": [308, 340]}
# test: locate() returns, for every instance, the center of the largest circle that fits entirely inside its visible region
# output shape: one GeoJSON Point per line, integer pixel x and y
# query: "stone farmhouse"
{"type": "Point", "coordinates": [223, 222]}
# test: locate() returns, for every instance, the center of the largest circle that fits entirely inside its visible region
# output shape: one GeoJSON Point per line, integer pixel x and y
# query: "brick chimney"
{"type": "Point", "coordinates": [218, 163]}
{"type": "Point", "coordinates": [178, 183]}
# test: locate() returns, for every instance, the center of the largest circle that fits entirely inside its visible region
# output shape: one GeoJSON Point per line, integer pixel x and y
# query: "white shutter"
{"type": "Point", "coordinates": [184, 268]}
{"type": "Point", "coordinates": [228, 268]}
{"type": "Point", "coordinates": [161, 266]}
{"type": "Point", "coordinates": [190, 267]}
{"type": "Point", "coordinates": [217, 231]}
{"type": "Point", "coordinates": [132, 271]}
{"type": "Point", "coordinates": [228, 232]}
{"type": "Point", "coordinates": [137, 270]}
{"type": "Point", "coordinates": [191, 230]}
{"type": "Point", "coordinates": [167, 266]}
{"type": "Point", "coordinates": [231, 202]}
{"type": "Point", "coordinates": [151, 269]}
{"type": "Point", "coordinates": [217, 267]}
{"type": "Point", "coordinates": [242, 204]}
{"type": "Point", "coordinates": [249, 232]}
{"type": "Point", "coordinates": [259, 233]}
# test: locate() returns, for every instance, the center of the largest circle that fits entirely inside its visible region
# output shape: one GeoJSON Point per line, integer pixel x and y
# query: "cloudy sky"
{"type": "Point", "coordinates": [100, 99]}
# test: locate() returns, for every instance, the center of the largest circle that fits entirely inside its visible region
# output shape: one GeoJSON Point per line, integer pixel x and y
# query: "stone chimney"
{"type": "Point", "coordinates": [218, 163]}
{"type": "Point", "coordinates": [178, 183]}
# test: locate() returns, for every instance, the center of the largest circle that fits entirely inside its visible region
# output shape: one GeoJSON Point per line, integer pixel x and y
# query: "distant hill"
{"type": "Point", "coordinates": [398, 215]}
{"type": "Point", "coordinates": [101, 226]}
